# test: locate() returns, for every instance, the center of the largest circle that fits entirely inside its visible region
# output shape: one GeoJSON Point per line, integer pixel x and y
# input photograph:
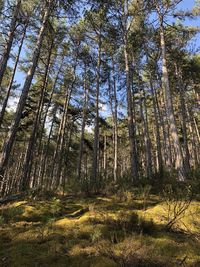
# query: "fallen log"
{"type": "Point", "coordinates": [9, 199]}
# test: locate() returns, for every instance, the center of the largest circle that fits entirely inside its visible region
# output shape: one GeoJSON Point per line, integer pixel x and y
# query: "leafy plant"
{"type": "Point", "coordinates": [96, 235]}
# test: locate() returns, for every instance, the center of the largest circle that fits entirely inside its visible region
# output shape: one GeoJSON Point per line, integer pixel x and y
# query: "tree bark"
{"type": "Point", "coordinates": [158, 139]}
{"type": "Point", "coordinates": [95, 168]}
{"type": "Point", "coordinates": [115, 119]}
{"type": "Point", "coordinates": [5, 102]}
{"type": "Point", "coordinates": [21, 104]}
{"type": "Point", "coordinates": [84, 117]}
{"type": "Point", "coordinates": [131, 127]}
{"type": "Point", "coordinates": [6, 53]}
{"type": "Point", "coordinates": [33, 137]}
{"type": "Point", "coordinates": [169, 106]}
{"type": "Point", "coordinates": [184, 118]}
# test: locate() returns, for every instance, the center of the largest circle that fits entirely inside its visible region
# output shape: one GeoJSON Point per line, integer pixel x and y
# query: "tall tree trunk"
{"type": "Point", "coordinates": [33, 137]}
{"type": "Point", "coordinates": [84, 117]}
{"type": "Point", "coordinates": [169, 106]}
{"type": "Point", "coordinates": [105, 156]}
{"type": "Point", "coordinates": [21, 104]}
{"type": "Point", "coordinates": [144, 118]}
{"type": "Point", "coordinates": [9, 42]}
{"type": "Point", "coordinates": [115, 119]}
{"type": "Point", "coordinates": [184, 118]}
{"type": "Point", "coordinates": [66, 146]}
{"type": "Point", "coordinates": [95, 164]}
{"type": "Point", "coordinates": [148, 140]}
{"type": "Point", "coordinates": [45, 156]}
{"type": "Point", "coordinates": [63, 128]}
{"type": "Point", "coordinates": [165, 129]}
{"type": "Point", "coordinates": [158, 141]}
{"type": "Point", "coordinates": [195, 134]}
{"type": "Point", "coordinates": [39, 153]}
{"type": "Point", "coordinates": [131, 127]}
{"type": "Point", "coordinates": [5, 102]}
{"type": "Point", "coordinates": [61, 134]}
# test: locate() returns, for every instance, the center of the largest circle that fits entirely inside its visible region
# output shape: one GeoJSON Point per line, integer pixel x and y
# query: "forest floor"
{"type": "Point", "coordinates": [97, 232]}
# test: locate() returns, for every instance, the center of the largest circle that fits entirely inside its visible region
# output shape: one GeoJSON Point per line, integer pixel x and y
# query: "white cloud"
{"type": "Point", "coordinates": [12, 103]}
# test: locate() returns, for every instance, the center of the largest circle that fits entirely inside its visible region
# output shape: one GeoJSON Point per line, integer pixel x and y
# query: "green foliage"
{"type": "Point", "coordinates": [96, 235]}
{"type": "Point", "coordinates": [2, 220]}
{"type": "Point", "coordinates": [109, 229]}
{"type": "Point", "coordinates": [12, 214]}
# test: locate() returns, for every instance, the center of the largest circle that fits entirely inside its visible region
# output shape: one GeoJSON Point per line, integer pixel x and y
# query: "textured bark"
{"type": "Point", "coordinates": [131, 127]}
{"type": "Point", "coordinates": [115, 120]}
{"type": "Point", "coordinates": [105, 156]}
{"type": "Point", "coordinates": [169, 106]}
{"type": "Point", "coordinates": [147, 141]}
{"type": "Point", "coordinates": [63, 130]}
{"type": "Point", "coordinates": [195, 135]}
{"type": "Point", "coordinates": [158, 140]}
{"type": "Point", "coordinates": [95, 165]}
{"type": "Point", "coordinates": [5, 102]}
{"type": "Point", "coordinates": [143, 113]}
{"type": "Point", "coordinates": [34, 134]}
{"type": "Point", "coordinates": [58, 153]}
{"type": "Point", "coordinates": [9, 42]}
{"type": "Point", "coordinates": [46, 153]}
{"type": "Point", "coordinates": [60, 137]}
{"type": "Point", "coordinates": [165, 127]}
{"type": "Point", "coordinates": [21, 104]}
{"type": "Point", "coordinates": [184, 118]}
{"type": "Point", "coordinates": [84, 117]}
{"type": "Point", "coordinates": [39, 154]}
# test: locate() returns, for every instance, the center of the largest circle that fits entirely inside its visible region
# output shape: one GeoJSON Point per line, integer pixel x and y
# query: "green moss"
{"type": "Point", "coordinates": [95, 232]}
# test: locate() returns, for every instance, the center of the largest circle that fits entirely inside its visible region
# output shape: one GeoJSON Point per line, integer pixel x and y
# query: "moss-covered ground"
{"type": "Point", "coordinates": [97, 232]}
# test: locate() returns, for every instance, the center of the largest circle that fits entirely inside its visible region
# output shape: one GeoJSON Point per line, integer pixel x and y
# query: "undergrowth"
{"type": "Point", "coordinates": [127, 229]}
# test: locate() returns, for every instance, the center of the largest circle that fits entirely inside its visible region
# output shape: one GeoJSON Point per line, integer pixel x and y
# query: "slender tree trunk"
{"type": "Point", "coordinates": [131, 128]}
{"type": "Point", "coordinates": [9, 42]}
{"type": "Point", "coordinates": [21, 104]}
{"type": "Point", "coordinates": [33, 137]}
{"type": "Point", "coordinates": [60, 138]}
{"type": "Point", "coordinates": [95, 164]}
{"type": "Point", "coordinates": [165, 129]}
{"type": "Point", "coordinates": [169, 106]}
{"type": "Point", "coordinates": [148, 140]}
{"type": "Point", "coordinates": [115, 119]}
{"type": "Point", "coordinates": [66, 147]}
{"type": "Point", "coordinates": [158, 141]}
{"type": "Point", "coordinates": [129, 97]}
{"type": "Point", "coordinates": [5, 102]}
{"type": "Point", "coordinates": [45, 156]}
{"type": "Point", "coordinates": [105, 156]}
{"type": "Point", "coordinates": [63, 128]}
{"type": "Point", "coordinates": [195, 134]}
{"type": "Point", "coordinates": [84, 117]}
{"type": "Point", "coordinates": [143, 113]}
{"type": "Point", "coordinates": [184, 117]}
{"type": "Point", "coordinates": [38, 153]}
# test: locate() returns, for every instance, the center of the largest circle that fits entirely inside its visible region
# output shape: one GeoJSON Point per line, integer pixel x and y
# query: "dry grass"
{"type": "Point", "coordinates": [96, 232]}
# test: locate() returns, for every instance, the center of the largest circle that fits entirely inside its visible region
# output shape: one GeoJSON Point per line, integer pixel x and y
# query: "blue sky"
{"type": "Point", "coordinates": [184, 5]}
{"type": "Point", "coordinates": [188, 5]}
